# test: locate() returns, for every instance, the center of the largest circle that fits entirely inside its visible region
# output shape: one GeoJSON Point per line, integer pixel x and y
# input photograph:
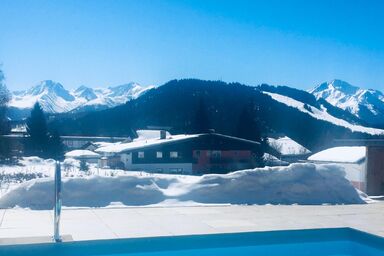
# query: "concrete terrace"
{"type": "Point", "coordinates": [28, 226]}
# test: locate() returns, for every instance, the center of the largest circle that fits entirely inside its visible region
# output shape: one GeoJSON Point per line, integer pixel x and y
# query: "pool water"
{"type": "Point", "coordinates": [314, 242]}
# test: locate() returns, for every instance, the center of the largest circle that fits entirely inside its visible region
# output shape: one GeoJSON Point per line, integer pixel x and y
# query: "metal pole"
{"type": "Point", "coordinates": [57, 206]}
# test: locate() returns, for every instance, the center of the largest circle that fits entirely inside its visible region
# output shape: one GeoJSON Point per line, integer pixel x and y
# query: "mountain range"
{"type": "Point", "coordinates": [54, 98]}
{"type": "Point", "coordinates": [330, 110]}
{"type": "Point", "coordinates": [298, 114]}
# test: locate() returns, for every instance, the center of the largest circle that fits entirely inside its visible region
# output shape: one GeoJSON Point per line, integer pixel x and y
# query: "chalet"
{"type": "Point", "coordinates": [187, 154]}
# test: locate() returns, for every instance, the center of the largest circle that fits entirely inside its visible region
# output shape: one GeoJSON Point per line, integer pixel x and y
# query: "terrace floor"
{"type": "Point", "coordinates": [28, 226]}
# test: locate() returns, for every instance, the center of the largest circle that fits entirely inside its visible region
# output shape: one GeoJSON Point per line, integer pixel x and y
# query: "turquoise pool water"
{"type": "Point", "coordinates": [315, 242]}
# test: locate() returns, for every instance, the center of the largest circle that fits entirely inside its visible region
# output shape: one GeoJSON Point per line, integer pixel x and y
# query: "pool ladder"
{"type": "Point", "coordinates": [57, 206]}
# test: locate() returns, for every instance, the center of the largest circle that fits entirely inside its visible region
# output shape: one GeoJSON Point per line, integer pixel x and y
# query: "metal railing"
{"type": "Point", "coordinates": [57, 206]}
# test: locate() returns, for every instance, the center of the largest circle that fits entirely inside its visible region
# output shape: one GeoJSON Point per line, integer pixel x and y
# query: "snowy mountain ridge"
{"type": "Point", "coordinates": [367, 104]}
{"type": "Point", "coordinates": [54, 98]}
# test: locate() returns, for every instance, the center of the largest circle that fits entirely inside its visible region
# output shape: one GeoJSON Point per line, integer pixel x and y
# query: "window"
{"type": "Point", "coordinates": [140, 154]}
{"type": "Point", "coordinates": [159, 154]}
{"type": "Point", "coordinates": [173, 154]}
{"type": "Point", "coordinates": [197, 153]}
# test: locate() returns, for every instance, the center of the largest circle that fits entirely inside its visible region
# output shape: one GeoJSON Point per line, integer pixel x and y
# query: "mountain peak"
{"type": "Point", "coordinates": [343, 86]}
{"type": "Point", "coordinates": [368, 105]}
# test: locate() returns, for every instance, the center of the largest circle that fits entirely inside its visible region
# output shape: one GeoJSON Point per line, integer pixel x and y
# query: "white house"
{"type": "Point", "coordinates": [352, 158]}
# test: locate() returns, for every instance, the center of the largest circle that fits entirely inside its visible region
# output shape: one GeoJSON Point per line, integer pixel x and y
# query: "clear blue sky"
{"type": "Point", "coordinates": [110, 42]}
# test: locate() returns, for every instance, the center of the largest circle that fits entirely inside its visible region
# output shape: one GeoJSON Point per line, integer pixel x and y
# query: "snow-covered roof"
{"type": "Point", "coordinates": [340, 154]}
{"type": "Point", "coordinates": [136, 144]}
{"type": "Point", "coordinates": [287, 146]}
{"type": "Point", "coordinates": [149, 134]}
{"type": "Point", "coordinates": [81, 153]}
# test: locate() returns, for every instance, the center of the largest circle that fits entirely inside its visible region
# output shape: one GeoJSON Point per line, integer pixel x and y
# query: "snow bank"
{"type": "Point", "coordinates": [340, 154]}
{"type": "Point", "coordinates": [295, 184]}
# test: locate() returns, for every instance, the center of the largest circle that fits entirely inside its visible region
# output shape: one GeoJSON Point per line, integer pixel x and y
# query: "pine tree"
{"type": "Point", "coordinates": [37, 142]}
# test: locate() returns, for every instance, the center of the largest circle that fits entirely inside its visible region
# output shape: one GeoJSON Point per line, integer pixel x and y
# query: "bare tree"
{"type": "Point", "coordinates": [4, 99]}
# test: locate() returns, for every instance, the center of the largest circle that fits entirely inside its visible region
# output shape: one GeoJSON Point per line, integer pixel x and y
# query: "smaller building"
{"type": "Point", "coordinates": [353, 159]}
{"type": "Point", "coordinates": [85, 155]}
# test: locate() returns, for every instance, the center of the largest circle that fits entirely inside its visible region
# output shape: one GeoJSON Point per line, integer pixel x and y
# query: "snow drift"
{"type": "Point", "coordinates": [295, 184]}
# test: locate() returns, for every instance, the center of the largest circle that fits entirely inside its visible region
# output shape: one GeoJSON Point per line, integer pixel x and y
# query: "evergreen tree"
{"type": "Point", "coordinates": [40, 142]}
{"type": "Point", "coordinates": [37, 142]}
{"type": "Point", "coordinates": [201, 122]}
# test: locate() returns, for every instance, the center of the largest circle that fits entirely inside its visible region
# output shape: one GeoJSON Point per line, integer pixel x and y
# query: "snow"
{"type": "Point", "coordinates": [349, 97]}
{"type": "Point", "coordinates": [54, 98]}
{"type": "Point", "coordinates": [149, 134]}
{"type": "Point", "coordinates": [322, 114]}
{"type": "Point", "coordinates": [270, 160]}
{"type": "Point", "coordinates": [340, 154]}
{"type": "Point", "coordinates": [121, 147]}
{"type": "Point", "coordinates": [306, 184]}
{"type": "Point", "coordinates": [287, 146]}
{"type": "Point", "coordinates": [81, 153]}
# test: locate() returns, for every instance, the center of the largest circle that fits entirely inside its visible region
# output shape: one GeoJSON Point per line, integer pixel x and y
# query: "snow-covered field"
{"type": "Point", "coordinates": [294, 184]}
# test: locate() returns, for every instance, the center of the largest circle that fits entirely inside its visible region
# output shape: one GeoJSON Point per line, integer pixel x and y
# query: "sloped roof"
{"type": "Point", "coordinates": [340, 155]}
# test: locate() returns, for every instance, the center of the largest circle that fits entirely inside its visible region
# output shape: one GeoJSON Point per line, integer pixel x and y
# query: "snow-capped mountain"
{"type": "Point", "coordinates": [54, 98]}
{"type": "Point", "coordinates": [367, 104]}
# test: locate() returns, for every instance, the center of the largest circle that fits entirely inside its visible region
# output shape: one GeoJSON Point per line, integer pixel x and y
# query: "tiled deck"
{"type": "Point", "coordinates": [90, 224]}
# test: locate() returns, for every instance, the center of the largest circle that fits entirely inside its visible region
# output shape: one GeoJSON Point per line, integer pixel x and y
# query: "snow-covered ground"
{"type": "Point", "coordinates": [294, 184]}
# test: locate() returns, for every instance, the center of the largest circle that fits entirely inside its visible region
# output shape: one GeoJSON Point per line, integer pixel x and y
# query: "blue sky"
{"type": "Point", "coordinates": [110, 42]}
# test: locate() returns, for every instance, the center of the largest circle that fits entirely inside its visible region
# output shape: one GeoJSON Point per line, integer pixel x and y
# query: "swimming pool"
{"type": "Point", "coordinates": [314, 242]}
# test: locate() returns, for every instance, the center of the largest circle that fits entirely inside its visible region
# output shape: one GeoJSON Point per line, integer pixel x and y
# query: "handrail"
{"type": "Point", "coordinates": [57, 206]}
